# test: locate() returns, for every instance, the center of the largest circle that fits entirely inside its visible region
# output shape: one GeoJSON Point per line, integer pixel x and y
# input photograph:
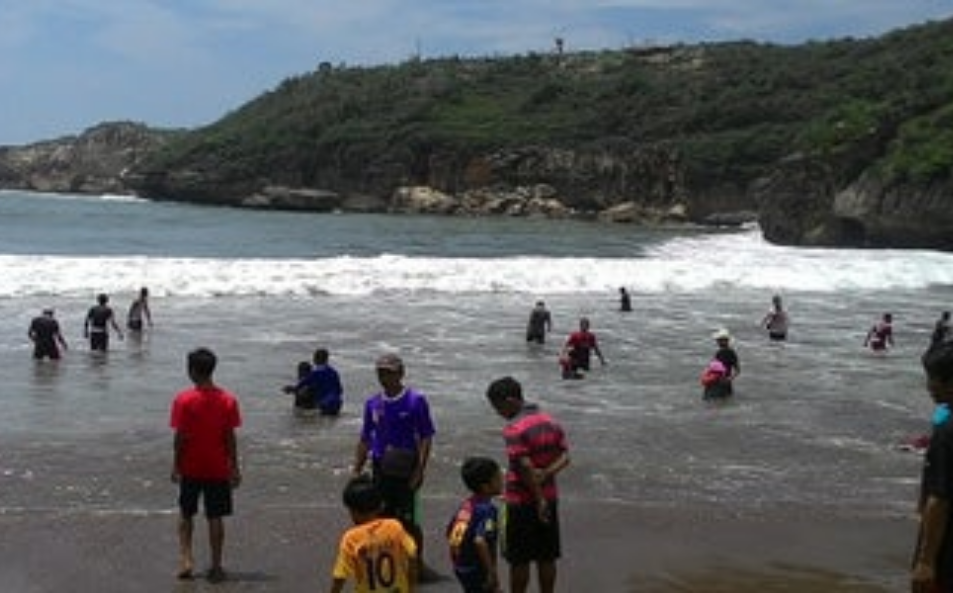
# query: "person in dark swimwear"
{"type": "Point", "coordinates": [942, 330]}
{"type": "Point", "coordinates": [625, 300]}
{"type": "Point", "coordinates": [540, 322]}
{"type": "Point", "coordinates": [880, 336]}
{"type": "Point", "coordinates": [98, 321]}
{"type": "Point", "coordinates": [45, 334]}
{"type": "Point", "coordinates": [139, 312]}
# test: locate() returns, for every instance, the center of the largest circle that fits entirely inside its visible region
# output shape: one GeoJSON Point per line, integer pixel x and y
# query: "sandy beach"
{"type": "Point", "coordinates": [609, 548]}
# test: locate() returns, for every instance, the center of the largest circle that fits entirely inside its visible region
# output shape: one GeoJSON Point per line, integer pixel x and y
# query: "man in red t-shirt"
{"type": "Point", "coordinates": [578, 351]}
{"type": "Point", "coordinates": [205, 466]}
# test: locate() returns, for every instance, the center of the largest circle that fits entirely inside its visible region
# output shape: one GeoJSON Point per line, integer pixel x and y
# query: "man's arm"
{"type": "Point", "coordinates": [112, 321]}
{"type": "Point", "coordinates": [177, 446]}
{"type": "Point", "coordinates": [423, 456]}
{"type": "Point", "coordinates": [232, 444]}
{"type": "Point", "coordinates": [360, 457]}
{"type": "Point", "coordinates": [558, 465]}
{"type": "Point", "coordinates": [595, 348]}
{"type": "Point", "coordinates": [529, 477]}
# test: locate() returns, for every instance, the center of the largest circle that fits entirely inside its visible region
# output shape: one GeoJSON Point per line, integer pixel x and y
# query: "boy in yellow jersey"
{"type": "Point", "coordinates": [377, 553]}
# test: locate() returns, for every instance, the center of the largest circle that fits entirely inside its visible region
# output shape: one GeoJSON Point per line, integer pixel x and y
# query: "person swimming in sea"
{"type": "Point", "coordinates": [880, 336]}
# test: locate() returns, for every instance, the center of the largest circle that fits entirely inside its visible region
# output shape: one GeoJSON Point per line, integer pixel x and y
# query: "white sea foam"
{"type": "Point", "coordinates": [73, 197]}
{"type": "Point", "coordinates": [693, 264]}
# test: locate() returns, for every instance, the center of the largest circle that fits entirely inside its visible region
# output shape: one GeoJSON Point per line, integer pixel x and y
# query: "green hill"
{"type": "Point", "coordinates": [721, 114]}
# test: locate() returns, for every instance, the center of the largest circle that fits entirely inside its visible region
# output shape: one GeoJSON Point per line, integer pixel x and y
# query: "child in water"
{"type": "Point", "coordinates": [304, 399]}
{"type": "Point", "coordinates": [714, 382]}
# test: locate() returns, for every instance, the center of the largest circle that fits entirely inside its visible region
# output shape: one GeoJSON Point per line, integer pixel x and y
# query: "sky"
{"type": "Point", "coordinates": [67, 65]}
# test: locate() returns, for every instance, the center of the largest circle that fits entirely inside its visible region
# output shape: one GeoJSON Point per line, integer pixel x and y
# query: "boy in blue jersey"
{"type": "Point", "coordinates": [472, 532]}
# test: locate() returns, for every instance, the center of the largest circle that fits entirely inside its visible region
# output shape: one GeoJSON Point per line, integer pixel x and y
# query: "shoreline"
{"type": "Point", "coordinates": [609, 547]}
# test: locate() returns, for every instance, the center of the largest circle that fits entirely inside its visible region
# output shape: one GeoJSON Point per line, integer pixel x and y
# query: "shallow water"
{"type": "Point", "coordinates": [811, 432]}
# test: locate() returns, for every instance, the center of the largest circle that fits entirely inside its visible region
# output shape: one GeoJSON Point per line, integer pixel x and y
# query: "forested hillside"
{"type": "Point", "coordinates": [722, 112]}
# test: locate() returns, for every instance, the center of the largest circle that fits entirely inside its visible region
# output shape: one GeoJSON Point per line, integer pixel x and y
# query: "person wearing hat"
{"type": "Point", "coordinates": [728, 357]}
{"type": "Point", "coordinates": [45, 334]}
{"type": "Point", "coordinates": [396, 436]}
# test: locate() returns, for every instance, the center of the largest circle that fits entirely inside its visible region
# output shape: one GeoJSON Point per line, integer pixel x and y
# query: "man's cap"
{"type": "Point", "coordinates": [721, 334]}
{"type": "Point", "coordinates": [390, 362]}
{"type": "Point", "coordinates": [48, 311]}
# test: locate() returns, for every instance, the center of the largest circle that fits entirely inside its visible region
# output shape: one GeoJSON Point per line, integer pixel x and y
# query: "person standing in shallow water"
{"type": "Point", "coordinates": [625, 300]}
{"type": "Point", "coordinates": [98, 321]}
{"type": "Point", "coordinates": [728, 357]}
{"type": "Point", "coordinates": [942, 330]}
{"type": "Point", "coordinates": [139, 313]}
{"type": "Point", "coordinates": [880, 336]}
{"type": "Point", "coordinates": [539, 324]}
{"type": "Point", "coordinates": [45, 334]}
{"type": "Point", "coordinates": [776, 321]}
{"type": "Point", "coordinates": [577, 352]}
{"type": "Point", "coordinates": [932, 570]}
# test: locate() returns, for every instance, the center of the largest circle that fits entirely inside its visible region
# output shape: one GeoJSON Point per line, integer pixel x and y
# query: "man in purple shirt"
{"type": "Point", "coordinates": [396, 435]}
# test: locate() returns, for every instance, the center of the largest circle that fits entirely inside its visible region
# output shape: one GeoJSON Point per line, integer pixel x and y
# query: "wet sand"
{"type": "Point", "coordinates": [609, 548]}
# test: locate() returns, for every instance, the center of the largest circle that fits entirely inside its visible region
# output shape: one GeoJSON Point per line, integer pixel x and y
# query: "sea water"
{"type": "Point", "coordinates": [813, 426]}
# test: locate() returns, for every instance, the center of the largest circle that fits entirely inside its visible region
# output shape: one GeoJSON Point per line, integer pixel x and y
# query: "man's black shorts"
{"type": "Point", "coordinates": [216, 494]}
{"type": "Point", "coordinates": [527, 539]}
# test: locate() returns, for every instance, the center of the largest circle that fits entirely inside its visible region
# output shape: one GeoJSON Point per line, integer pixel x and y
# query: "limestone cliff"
{"type": "Point", "coordinates": [94, 162]}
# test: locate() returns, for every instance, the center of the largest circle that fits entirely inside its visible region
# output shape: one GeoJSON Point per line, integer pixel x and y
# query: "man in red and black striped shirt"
{"type": "Point", "coordinates": [537, 450]}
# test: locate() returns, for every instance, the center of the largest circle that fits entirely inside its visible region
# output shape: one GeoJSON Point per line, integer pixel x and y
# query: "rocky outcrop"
{"type": "Point", "coordinates": [898, 215]}
{"type": "Point", "coordinates": [795, 204]}
{"type": "Point", "coordinates": [287, 198]}
{"type": "Point", "coordinates": [800, 204]}
{"type": "Point", "coordinates": [535, 181]}
{"type": "Point", "coordinates": [804, 201]}
{"type": "Point", "coordinates": [94, 162]}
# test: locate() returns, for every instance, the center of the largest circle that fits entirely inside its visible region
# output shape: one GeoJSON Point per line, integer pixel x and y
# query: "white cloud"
{"type": "Point", "coordinates": [68, 64]}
